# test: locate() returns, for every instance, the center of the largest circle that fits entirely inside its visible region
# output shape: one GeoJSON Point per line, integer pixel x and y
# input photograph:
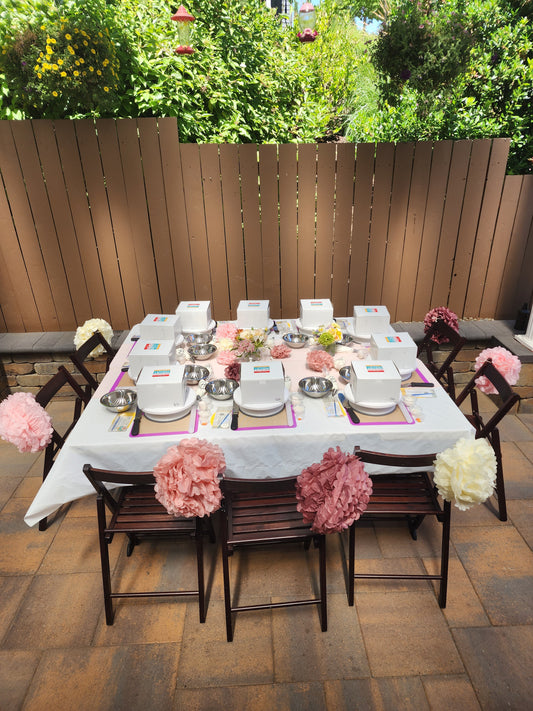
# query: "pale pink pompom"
{"type": "Point", "coordinates": [25, 423]}
{"type": "Point", "coordinates": [441, 313]}
{"type": "Point", "coordinates": [333, 493]}
{"type": "Point", "coordinates": [318, 360]}
{"type": "Point", "coordinates": [280, 351]}
{"type": "Point", "coordinates": [503, 360]}
{"type": "Point", "coordinates": [227, 330]}
{"type": "Point", "coordinates": [187, 478]}
{"type": "Point", "coordinates": [226, 357]}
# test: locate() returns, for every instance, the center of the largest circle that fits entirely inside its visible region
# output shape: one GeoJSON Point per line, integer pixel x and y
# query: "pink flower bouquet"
{"type": "Point", "coordinates": [280, 351]}
{"type": "Point", "coordinates": [227, 330]}
{"type": "Point", "coordinates": [503, 360]}
{"type": "Point", "coordinates": [25, 423]}
{"type": "Point", "coordinates": [319, 360]}
{"type": "Point", "coordinates": [441, 313]}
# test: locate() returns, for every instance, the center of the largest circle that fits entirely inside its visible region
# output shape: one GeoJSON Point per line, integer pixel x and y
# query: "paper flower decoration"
{"type": "Point", "coordinates": [441, 313]}
{"type": "Point", "coordinates": [465, 474]}
{"type": "Point", "coordinates": [83, 333]}
{"type": "Point", "coordinates": [25, 423]}
{"type": "Point", "coordinates": [227, 330]}
{"type": "Point", "coordinates": [333, 493]}
{"type": "Point", "coordinates": [226, 357]}
{"type": "Point", "coordinates": [280, 351]}
{"type": "Point", "coordinates": [187, 478]}
{"type": "Point", "coordinates": [503, 360]}
{"type": "Point", "coordinates": [224, 344]}
{"type": "Point", "coordinates": [318, 360]}
{"type": "Point", "coordinates": [233, 371]}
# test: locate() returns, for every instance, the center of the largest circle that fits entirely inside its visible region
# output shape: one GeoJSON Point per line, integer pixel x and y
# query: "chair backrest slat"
{"type": "Point", "coordinates": [82, 353]}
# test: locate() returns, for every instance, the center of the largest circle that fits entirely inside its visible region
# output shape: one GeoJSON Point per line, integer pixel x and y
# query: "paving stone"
{"type": "Point", "coordinates": [281, 697]}
{"type": "Point", "coordinates": [8, 485]}
{"type": "Point", "coordinates": [16, 672]}
{"type": "Point", "coordinates": [395, 694]}
{"type": "Point", "coordinates": [450, 692]}
{"type": "Point", "coordinates": [499, 663]}
{"type": "Point", "coordinates": [517, 470]}
{"type": "Point", "coordinates": [12, 591]}
{"type": "Point", "coordinates": [521, 515]}
{"type": "Point", "coordinates": [23, 548]}
{"type": "Point", "coordinates": [75, 549]}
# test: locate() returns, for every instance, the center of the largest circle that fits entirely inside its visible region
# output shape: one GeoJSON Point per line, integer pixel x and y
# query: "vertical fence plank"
{"type": "Point", "coordinates": [450, 222]}
{"type": "Point", "coordinates": [486, 224]}
{"type": "Point", "coordinates": [72, 169]}
{"type": "Point", "coordinates": [306, 206]}
{"type": "Point", "coordinates": [290, 234]}
{"type": "Point", "coordinates": [249, 171]}
{"type": "Point", "coordinates": [214, 222]}
{"type": "Point", "coordinates": [268, 176]}
{"type": "Point", "coordinates": [103, 229]}
{"type": "Point", "coordinates": [176, 207]}
{"type": "Point", "coordinates": [396, 238]}
{"type": "Point", "coordinates": [11, 316]}
{"type": "Point", "coordinates": [344, 194]}
{"type": "Point", "coordinates": [231, 197]}
{"type": "Point", "coordinates": [325, 219]}
{"type": "Point", "coordinates": [438, 178]}
{"type": "Point", "coordinates": [380, 222]}
{"type": "Point", "coordinates": [364, 181]}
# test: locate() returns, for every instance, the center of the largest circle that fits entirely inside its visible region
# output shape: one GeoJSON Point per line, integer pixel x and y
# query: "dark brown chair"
{"type": "Point", "coordinates": [82, 353]}
{"type": "Point", "coordinates": [489, 430]}
{"type": "Point", "coordinates": [410, 495]}
{"type": "Point", "coordinates": [263, 512]}
{"type": "Point", "coordinates": [137, 513]}
{"type": "Point", "coordinates": [443, 372]}
{"type": "Point", "coordinates": [48, 391]}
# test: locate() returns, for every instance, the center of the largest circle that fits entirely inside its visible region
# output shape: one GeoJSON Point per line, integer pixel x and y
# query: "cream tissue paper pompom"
{"type": "Point", "coordinates": [466, 473]}
{"type": "Point", "coordinates": [83, 333]}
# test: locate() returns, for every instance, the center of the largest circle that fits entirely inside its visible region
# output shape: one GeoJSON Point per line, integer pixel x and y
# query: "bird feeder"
{"type": "Point", "coordinates": [184, 21]}
{"type": "Point", "coordinates": [307, 22]}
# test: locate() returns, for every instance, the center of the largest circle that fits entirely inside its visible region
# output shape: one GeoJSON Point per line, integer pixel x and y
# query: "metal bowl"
{"type": "Point", "coordinates": [295, 340]}
{"type": "Point", "coordinates": [119, 400]}
{"type": "Point", "coordinates": [221, 389]}
{"type": "Point", "coordinates": [345, 340]}
{"type": "Point", "coordinates": [315, 386]}
{"type": "Point", "coordinates": [195, 373]}
{"type": "Point", "coordinates": [202, 351]}
{"type": "Point", "coordinates": [197, 339]}
{"type": "Point", "coordinates": [345, 373]}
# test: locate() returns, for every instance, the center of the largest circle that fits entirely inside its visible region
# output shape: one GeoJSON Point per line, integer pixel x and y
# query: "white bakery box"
{"type": "Point", "coordinates": [370, 319]}
{"type": "Point", "coordinates": [374, 384]}
{"type": "Point", "coordinates": [262, 382]}
{"type": "Point", "coordinates": [253, 314]}
{"type": "Point", "coordinates": [195, 316]}
{"type": "Point", "coordinates": [161, 388]}
{"type": "Point", "coordinates": [398, 347]}
{"type": "Point", "coordinates": [160, 327]}
{"type": "Point", "coordinates": [315, 313]}
{"type": "Point", "coordinates": [146, 353]}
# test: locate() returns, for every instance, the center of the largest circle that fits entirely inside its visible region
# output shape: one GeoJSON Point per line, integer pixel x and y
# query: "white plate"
{"type": "Point", "coordinates": [167, 414]}
{"type": "Point", "coordinates": [365, 337]}
{"type": "Point", "coordinates": [369, 408]}
{"type": "Point", "coordinates": [405, 374]}
{"type": "Point", "coordinates": [262, 410]}
{"type": "Point", "coordinates": [210, 327]}
{"type": "Point", "coordinates": [306, 331]}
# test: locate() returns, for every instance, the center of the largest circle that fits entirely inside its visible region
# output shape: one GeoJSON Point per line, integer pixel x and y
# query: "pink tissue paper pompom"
{"type": "Point", "coordinates": [503, 360]}
{"type": "Point", "coordinates": [333, 493]}
{"type": "Point", "coordinates": [227, 330]}
{"type": "Point", "coordinates": [318, 360]}
{"type": "Point", "coordinates": [280, 351]}
{"type": "Point", "coordinates": [187, 478]}
{"type": "Point", "coordinates": [25, 423]}
{"type": "Point", "coordinates": [233, 371]}
{"type": "Point", "coordinates": [441, 313]}
{"type": "Point", "coordinates": [226, 357]}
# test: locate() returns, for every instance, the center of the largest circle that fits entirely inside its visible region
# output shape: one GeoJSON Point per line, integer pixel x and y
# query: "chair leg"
{"type": "Point", "coordinates": [43, 524]}
{"type": "Point", "coordinates": [227, 589]}
{"type": "Point", "coordinates": [500, 484]}
{"type": "Point", "coordinates": [414, 523]}
{"type": "Point", "coordinates": [323, 584]}
{"type": "Point", "coordinates": [200, 564]}
{"type": "Point", "coordinates": [445, 553]}
{"type": "Point", "coordinates": [351, 565]}
{"type": "Point", "coordinates": [104, 560]}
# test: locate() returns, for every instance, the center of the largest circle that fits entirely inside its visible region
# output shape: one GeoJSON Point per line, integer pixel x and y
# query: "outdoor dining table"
{"type": "Point", "coordinates": [275, 446]}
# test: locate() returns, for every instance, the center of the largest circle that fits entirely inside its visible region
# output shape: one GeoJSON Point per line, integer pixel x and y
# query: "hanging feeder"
{"type": "Point", "coordinates": [307, 22]}
{"type": "Point", "coordinates": [184, 21]}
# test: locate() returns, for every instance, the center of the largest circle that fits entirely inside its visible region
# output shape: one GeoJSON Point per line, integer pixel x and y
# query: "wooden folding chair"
{"type": "Point", "coordinates": [409, 495]}
{"type": "Point", "coordinates": [48, 391]}
{"type": "Point", "coordinates": [82, 353]}
{"type": "Point", "coordinates": [263, 512]}
{"type": "Point", "coordinates": [443, 372]}
{"type": "Point", "coordinates": [137, 513]}
{"type": "Point", "coordinates": [489, 430]}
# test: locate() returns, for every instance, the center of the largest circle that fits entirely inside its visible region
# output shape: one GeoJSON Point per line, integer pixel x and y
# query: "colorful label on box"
{"type": "Point", "coordinates": [261, 369]}
{"type": "Point", "coordinates": [372, 369]}
{"type": "Point", "coordinates": [393, 339]}
{"type": "Point", "coordinates": [254, 303]}
{"type": "Point", "coordinates": [317, 303]}
{"type": "Point", "coordinates": [371, 310]}
{"type": "Point", "coordinates": [160, 373]}
{"type": "Point", "coordinates": [152, 346]}
{"type": "Point", "coordinates": [160, 319]}
{"type": "Point", "coordinates": [193, 306]}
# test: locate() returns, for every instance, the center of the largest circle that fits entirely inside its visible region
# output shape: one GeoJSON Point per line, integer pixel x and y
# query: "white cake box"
{"type": "Point", "coordinates": [161, 387]}
{"type": "Point", "coordinates": [262, 383]}
{"type": "Point", "coordinates": [398, 347]}
{"type": "Point", "coordinates": [315, 313]}
{"type": "Point", "coordinates": [375, 381]}
{"type": "Point", "coordinates": [370, 319]}
{"type": "Point", "coordinates": [151, 353]}
{"type": "Point", "coordinates": [160, 327]}
{"type": "Point", "coordinates": [253, 314]}
{"type": "Point", "coordinates": [195, 316]}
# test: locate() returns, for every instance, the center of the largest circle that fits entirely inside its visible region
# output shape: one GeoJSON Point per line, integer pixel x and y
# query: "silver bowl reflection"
{"type": "Point", "coordinates": [345, 373]}
{"type": "Point", "coordinates": [119, 400]}
{"type": "Point", "coordinates": [195, 373]}
{"type": "Point", "coordinates": [198, 339]}
{"type": "Point", "coordinates": [202, 351]}
{"type": "Point", "coordinates": [221, 389]}
{"type": "Point", "coordinates": [345, 340]}
{"type": "Point", "coordinates": [315, 386]}
{"type": "Point", "coordinates": [295, 340]}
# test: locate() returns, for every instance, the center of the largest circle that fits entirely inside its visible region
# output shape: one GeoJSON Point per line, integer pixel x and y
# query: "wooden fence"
{"type": "Point", "coordinates": [116, 219]}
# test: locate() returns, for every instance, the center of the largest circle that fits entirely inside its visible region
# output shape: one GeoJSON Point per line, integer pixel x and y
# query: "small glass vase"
{"type": "Point", "coordinates": [254, 355]}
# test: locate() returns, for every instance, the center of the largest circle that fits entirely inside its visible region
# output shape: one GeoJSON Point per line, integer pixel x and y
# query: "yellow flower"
{"type": "Point", "coordinates": [85, 43]}
{"type": "Point", "coordinates": [54, 93]}
{"type": "Point", "coordinates": [53, 40]}
{"type": "Point", "coordinates": [84, 33]}
{"type": "Point", "coordinates": [76, 30]}
{"type": "Point", "coordinates": [43, 27]}
{"type": "Point", "coordinates": [100, 34]}
{"type": "Point", "coordinates": [76, 73]}
{"type": "Point", "coordinates": [82, 60]}
{"type": "Point", "coordinates": [55, 67]}
{"type": "Point", "coordinates": [93, 51]}
{"type": "Point", "coordinates": [41, 55]}
{"type": "Point", "coordinates": [70, 50]}
{"type": "Point", "coordinates": [60, 62]}
{"type": "Point", "coordinates": [77, 62]}
{"type": "Point", "coordinates": [105, 62]}
{"type": "Point", "coordinates": [99, 72]}
{"type": "Point", "coordinates": [68, 37]}
{"type": "Point", "coordinates": [63, 74]}
{"type": "Point", "coordinates": [39, 75]}
{"type": "Point", "coordinates": [49, 50]}
{"type": "Point", "coordinates": [106, 88]}
{"type": "Point", "coordinates": [91, 69]}
{"type": "Point", "coordinates": [36, 67]}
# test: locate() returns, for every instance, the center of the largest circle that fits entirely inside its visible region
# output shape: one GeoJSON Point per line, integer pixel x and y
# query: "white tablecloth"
{"type": "Point", "coordinates": [248, 453]}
